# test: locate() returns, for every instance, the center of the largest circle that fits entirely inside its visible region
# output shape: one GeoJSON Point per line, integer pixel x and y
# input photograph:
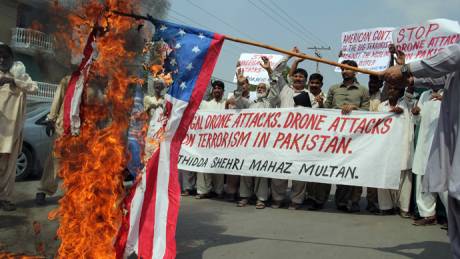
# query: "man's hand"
{"type": "Point", "coordinates": [265, 64]}
{"type": "Point", "coordinates": [50, 128]}
{"type": "Point", "coordinates": [298, 60]}
{"type": "Point", "coordinates": [400, 58]}
{"type": "Point", "coordinates": [416, 110]}
{"type": "Point", "coordinates": [230, 103]}
{"type": "Point", "coordinates": [240, 75]}
{"type": "Point", "coordinates": [320, 100]}
{"type": "Point", "coordinates": [295, 50]}
{"type": "Point", "coordinates": [436, 96]}
{"type": "Point", "coordinates": [347, 108]}
{"type": "Point", "coordinates": [397, 110]}
{"type": "Point", "coordinates": [6, 80]}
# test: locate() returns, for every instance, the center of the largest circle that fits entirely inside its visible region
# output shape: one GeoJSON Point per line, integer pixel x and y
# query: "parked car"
{"type": "Point", "coordinates": [36, 145]}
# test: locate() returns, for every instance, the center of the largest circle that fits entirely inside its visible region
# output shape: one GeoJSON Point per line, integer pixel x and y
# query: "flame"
{"type": "Point", "coordinates": [92, 163]}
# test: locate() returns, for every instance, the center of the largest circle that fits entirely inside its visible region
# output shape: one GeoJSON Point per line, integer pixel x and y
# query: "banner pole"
{"type": "Point", "coordinates": [265, 46]}
{"type": "Point", "coordinates": [304, 56]}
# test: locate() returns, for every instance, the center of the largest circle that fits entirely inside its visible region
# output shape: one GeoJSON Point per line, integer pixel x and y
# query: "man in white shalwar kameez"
{"type": "Point", "coordinates": [205, 183]}
{"type": "Point", "coordinates": [426, 114]}
{"type": "Point", "coordinates": [390, 199]}
{"type": "Point", "coordinates": [443, 167]}
{"type": "Point", "coordinates": [15, 83]}
{"type": "Point", "coordinates": [285, 94]}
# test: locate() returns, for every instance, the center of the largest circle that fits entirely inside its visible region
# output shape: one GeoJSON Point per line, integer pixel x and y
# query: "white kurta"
{"type": "Point", "coordinates": [428, 120]}
{"type": "Point", "coordinates": [408, 139]}
{"type": "Point", "coordinates": [13, 105]}
{"type": "Point", "coordinates": [281, 92]}
{"type": "Point", "coordinates": [12, 112]}
{"type": "Point", "coordinates": [443, 169]}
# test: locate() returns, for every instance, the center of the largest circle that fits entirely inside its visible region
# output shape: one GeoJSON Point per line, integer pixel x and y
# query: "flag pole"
{"type": "Point", "coordinates": [265, 46]}
{"type": "Point", "coordinates": [300, 55]}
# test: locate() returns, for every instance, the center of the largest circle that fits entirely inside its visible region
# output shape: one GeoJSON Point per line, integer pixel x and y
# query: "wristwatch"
{"type": "Point", "coordinates": [405, 71]}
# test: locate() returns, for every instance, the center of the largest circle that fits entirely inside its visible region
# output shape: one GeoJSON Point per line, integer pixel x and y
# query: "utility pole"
{"type": "Point", "coordinates": [318, 54]}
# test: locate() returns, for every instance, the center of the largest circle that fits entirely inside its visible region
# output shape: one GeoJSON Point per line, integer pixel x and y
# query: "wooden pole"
{"type": "Point", "coordinates": [304, 56]}
{"type": "Point", "coordinates": [261, 45]}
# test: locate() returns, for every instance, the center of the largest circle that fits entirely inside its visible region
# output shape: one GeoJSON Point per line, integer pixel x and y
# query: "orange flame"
{"type": "Point", "coordinates": [92, 163]}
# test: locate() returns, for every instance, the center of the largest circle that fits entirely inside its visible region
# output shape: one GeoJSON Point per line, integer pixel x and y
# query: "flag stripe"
{"type": "Point", "coordinates": [147, 220]}
{"type": "Point", "coordinates": [174, 186]}
{"type": "Point", "coordinates": [78, 77]}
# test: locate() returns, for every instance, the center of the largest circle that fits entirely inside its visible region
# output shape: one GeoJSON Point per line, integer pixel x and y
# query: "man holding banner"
{"type": "Point", "coordinates": [348, 96]}
{"type": "Point", "coordinates": [255, 185]}
{"type": "Point", "coordinates": [205, 183]}
{"type": "Point", "coordinates": [288, 95]}
{"type": "Point", "coordinates": [443, 167]}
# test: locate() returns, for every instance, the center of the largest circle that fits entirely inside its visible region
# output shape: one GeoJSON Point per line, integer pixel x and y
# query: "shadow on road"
{"type": "Point", "coordinates": [431, 249]}
{"type": "Point", "coordinates": [197, 231]}
{"type": "Point", "coordinates": [8, 221]}
{"type": "Point", "coordinates": [29, 204]}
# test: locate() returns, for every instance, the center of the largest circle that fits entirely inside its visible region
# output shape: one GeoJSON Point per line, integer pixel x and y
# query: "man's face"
{"type": "Point", "coordinates": [375, 85]}
{"type": "Point", "coordinates": [298, 81]}
{"type": "Point", "coordinates": [6, 60]}
{"type": "Point", "coordinates": [314, 86]}
{"type": "Point", "coordinates": [217, 92]}
{"type": "Point", "coordinates": [348, 74]}
{"type": "Point", "coordinates": [245, 86]}
{"type": "Point", "coordinates": [261, 90]}
{"type": "Point", "coordinates": [158, 87]}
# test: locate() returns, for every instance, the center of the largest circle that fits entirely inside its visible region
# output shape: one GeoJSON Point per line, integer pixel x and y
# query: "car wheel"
{"type": "Point", "coordinates": [24, 164]}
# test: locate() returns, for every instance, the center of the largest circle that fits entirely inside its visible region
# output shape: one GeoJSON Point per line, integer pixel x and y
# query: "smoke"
{"type": "Point", "coordinates": [58, 24]}
{"type": "Point", "coordinates": [156, 8]}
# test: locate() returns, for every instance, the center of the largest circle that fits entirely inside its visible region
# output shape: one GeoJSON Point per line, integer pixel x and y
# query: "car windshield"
{"type": "Point", "coordinates": [34, 108]}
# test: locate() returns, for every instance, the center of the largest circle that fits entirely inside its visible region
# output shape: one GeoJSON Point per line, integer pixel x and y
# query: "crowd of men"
{"type": "Point", "coordinates": [297, 89]}
{"type": "Point", "coordinates": [391, 92]}
{"type": "Point", "coordinates": [433, 160]}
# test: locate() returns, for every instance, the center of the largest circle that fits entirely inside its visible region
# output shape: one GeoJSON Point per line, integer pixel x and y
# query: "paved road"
{"type": "Point", "coordinates": [218, 229]}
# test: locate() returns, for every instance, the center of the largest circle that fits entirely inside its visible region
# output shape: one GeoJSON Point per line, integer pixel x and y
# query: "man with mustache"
{"type": "Point", "coordinates": [348, 96]}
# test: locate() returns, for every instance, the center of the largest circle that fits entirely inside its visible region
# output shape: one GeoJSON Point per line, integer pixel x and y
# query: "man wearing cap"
{"type": "Point", "coordinates": [15, 83]}
{"type": "Point", "coordinates": [205, 183]}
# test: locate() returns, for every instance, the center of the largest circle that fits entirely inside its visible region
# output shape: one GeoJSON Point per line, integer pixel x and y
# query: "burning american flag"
{"type": "Point", "coordinates": [152, 206]}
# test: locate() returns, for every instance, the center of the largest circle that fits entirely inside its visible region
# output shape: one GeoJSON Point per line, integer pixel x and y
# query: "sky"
{"type": "Point", "coordinates": [304, 24]}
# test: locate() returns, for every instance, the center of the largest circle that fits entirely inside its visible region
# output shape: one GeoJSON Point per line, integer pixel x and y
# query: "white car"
{"type": "Point", "coordinates": [36, 145]}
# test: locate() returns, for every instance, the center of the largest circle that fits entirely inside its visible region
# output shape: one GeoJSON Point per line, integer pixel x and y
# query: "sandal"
{"type": "Point", "coordinates": [243, 203]}
{"type": "Point", "coordinates": [203, 196]}
{"type": "Point", "coordinates": [260, 204]}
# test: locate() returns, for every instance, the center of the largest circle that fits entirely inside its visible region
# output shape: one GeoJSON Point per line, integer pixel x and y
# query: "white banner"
{"type": "Point", "coordinates": [369, 48]}
{"type": "Point", "coordinates": [311, 145]}
{"type": "Point", "coordinates": [250, 63]}
{"type": "Point", "coordinates": [424, 40]}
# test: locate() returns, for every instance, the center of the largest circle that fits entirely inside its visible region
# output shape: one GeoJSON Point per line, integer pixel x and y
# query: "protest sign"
{"type": "Point", "coordinates": [369, 48]}
{"type": "Point", "coordinates": [312, 145]}
{"type": "Point", "coordinates": [250, 63]}
{"type": "Point", "coordinates": [425, 40]}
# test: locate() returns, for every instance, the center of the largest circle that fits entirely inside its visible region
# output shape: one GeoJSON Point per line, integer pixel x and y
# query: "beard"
{"type": "Point", "coordinates": [261, 95]}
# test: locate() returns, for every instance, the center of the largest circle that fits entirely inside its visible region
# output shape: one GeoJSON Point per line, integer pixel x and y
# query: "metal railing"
{"type": "Point", "coordinates": [45, 92]}
{"type": "Point", "coordinates": [31, 41]}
